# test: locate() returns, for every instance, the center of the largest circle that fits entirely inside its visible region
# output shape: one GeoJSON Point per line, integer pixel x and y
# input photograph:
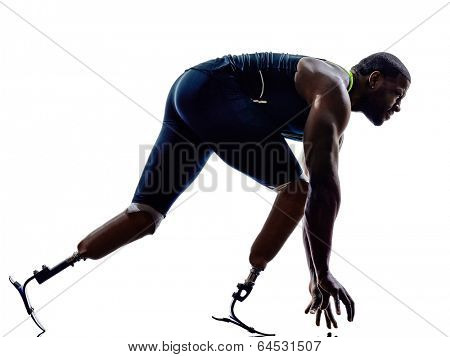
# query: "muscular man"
{"type": "Point", "coordinates": [242, 108]}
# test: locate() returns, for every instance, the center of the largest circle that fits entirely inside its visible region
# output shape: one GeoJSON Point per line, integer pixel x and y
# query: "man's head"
{"type": "Point", "coordinates": [381, 83]}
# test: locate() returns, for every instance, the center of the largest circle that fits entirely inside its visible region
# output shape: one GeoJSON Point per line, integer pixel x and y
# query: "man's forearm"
{"type": "Point", "coordinates": [309, 260]}
{"type": "Point", "coordinates": [321, 210]}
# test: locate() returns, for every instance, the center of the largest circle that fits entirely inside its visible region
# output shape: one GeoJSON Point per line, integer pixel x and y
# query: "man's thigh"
{"type": "Point", "coordinates": [271, 162]}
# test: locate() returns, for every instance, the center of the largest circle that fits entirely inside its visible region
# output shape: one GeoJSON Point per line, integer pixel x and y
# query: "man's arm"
{"type": "Point", "coordinates": [305, 234]}
{"type": "Point", "coordinates": [328, 117]}
{"type": "Point", "coordinates": [322, 136]}
{"type": "Point", "coordinates": [303, 160]}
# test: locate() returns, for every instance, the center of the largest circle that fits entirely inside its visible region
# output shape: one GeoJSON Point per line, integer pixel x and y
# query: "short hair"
{"type": "Point", "coordinates": [386, 63]}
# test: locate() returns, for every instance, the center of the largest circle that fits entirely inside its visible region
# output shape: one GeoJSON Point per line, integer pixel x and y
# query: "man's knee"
{"type": "Point", "coordinates": [299, 186]}
{"type": "Point", "coordinates": [152, 216]}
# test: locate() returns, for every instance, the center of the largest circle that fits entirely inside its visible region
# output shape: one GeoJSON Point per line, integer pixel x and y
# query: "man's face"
{"type": "Point", "coordinates": [384, 96]}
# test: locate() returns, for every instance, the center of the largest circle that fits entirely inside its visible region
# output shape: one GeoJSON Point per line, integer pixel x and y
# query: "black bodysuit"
{"type": "Point", "coordinates": [240, 107]}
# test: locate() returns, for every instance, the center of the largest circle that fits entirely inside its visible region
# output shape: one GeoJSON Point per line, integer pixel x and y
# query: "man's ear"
{"type": "Point", "coordinates": [374, 79]}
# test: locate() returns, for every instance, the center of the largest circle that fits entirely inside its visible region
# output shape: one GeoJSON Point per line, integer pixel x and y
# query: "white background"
{"type": "Point", "coordinates": [70, 161]}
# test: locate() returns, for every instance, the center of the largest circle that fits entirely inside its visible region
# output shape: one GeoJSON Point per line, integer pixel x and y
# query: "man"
{"type": "Point", "coordinates": [242, 108]}
{"type": "Point", "coordinates": [321, 112]}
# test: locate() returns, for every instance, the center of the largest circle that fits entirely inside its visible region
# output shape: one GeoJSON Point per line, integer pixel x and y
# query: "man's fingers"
{"type": "Point", "coordinates": [319, 312]}
{"type": "Point", "coordinates": [348, 306]}
{"type": "Point", "coordinates": [315, 305]}
{"type": "Point", "coordinates": [331, 316]}
{"type": "Point", "coordinates": [308, 307]}
{"type": "Point", "coordinates": [352, 303]}
{"type": "Point", "coordinates": [337, 303]}
{"type": "Point", "coordinates": [324, 301]}
{"type": "Point", "coordinates": [327, 319]}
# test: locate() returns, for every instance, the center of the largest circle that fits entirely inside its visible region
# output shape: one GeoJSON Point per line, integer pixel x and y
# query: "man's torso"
{"type": "Point", "coordinates": [268, 79]}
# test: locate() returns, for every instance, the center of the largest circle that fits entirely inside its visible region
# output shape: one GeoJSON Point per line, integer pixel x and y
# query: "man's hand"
{"type": "Point", "coordinates": [329, 286]}
{"type": "Point", "coordinates": [313, 306]}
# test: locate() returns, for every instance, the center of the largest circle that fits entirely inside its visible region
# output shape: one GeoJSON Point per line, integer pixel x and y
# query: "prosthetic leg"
{"type": "Point", "coordinates": [135, 222]}
{"type": "Point", "coordinates": [246, 287]}
{"type": "Point", "coordinates": [286, 213]}
{"type": "Point", "coordinates": [42, 276]}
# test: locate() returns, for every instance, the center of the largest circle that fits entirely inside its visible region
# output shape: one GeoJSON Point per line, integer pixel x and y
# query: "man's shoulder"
{"type": "Point", "coordinates": [318, 73]}
{"type": "Point", "coordinates": [323, 88]}
{"type": "Point", "coordinates": [316, 79]}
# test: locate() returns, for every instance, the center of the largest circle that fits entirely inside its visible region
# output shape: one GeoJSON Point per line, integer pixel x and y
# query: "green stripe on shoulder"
{"type": "Point", "coordinates": [350, 85]}
{"type": "Point", "coordinates": [350, 73]}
